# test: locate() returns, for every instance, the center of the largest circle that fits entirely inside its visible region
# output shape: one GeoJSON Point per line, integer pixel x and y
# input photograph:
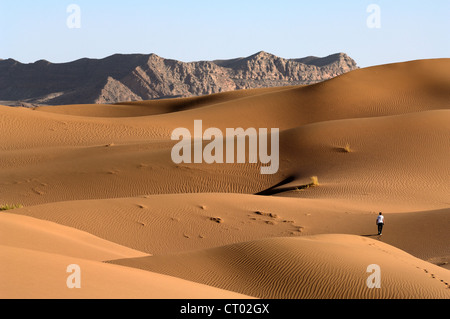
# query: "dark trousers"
{"type": "Point", "coordinates": [380, 228]}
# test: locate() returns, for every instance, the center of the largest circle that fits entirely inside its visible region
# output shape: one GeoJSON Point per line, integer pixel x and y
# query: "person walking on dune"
{"type": "Point", "coordinates": [380, 223]}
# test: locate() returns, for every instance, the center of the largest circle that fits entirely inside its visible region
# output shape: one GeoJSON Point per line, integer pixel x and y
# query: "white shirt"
{"type": "Point", "coordinates": [380, 219]}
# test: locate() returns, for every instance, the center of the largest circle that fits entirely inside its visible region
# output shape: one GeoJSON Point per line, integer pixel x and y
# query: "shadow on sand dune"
{"type": "Point", "coordinates": [275, 188]}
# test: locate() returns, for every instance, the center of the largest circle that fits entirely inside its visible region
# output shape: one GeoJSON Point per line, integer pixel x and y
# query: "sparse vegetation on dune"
{"type": "Point", "coordinates": [314, 182]}
{"type": "Point", "coordinates": [347, 148]}
{"type": "Point", "coordinates": [10, 207]}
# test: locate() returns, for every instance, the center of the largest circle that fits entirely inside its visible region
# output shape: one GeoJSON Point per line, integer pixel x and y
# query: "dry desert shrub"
{"type": "Point", "coordinates": [314, 182]}
{"type": "Point", "coordinates": [10, 207]}
{"type": "Point", "coordinates": [347, 148]}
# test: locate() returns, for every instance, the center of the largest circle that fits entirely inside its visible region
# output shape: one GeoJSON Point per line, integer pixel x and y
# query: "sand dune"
{"type": "Point", "coordinates": [386, 152]}
{"type": "Point", "coordinates": [377, 91]}
{"type": "Point", "coordinates": [161, 224]}
{"type": "Point", "coordinates": [97, 183]}
{"type": "Point", "coordinates": [123, 158]}
{"type": "Point", "coordinates": [30, 274]}
{"type": "Point", "coordinates": [326, 266]}
{"type": "Point", "coordinates": [154, 107]}
{"type": "Point", "coordinates": [33, 234]}
{"type": "Point", "coordinates": [37, 254]}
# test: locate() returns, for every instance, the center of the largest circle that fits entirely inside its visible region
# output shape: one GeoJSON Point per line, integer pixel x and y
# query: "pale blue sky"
{"type": "Point", "coordinates": [205, 30]}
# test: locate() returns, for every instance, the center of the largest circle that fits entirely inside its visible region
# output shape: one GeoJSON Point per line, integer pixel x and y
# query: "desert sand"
{"type": "Point", "coordinates": [99, 190]}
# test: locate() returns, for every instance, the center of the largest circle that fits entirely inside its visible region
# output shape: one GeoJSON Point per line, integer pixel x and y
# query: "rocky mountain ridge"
{"type": "Point", "coordinates": [135, 77]}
